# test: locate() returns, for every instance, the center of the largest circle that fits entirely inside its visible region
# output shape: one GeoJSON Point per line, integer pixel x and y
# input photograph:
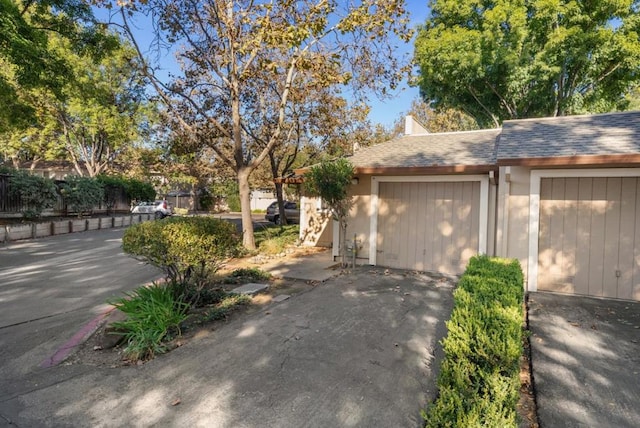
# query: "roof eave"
{"type": "Point", "coordinates": [425, 170]}
{"type": "Point", "coordinates": [619, 160]}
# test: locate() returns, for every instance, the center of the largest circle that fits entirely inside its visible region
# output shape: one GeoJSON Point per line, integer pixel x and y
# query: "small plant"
{"type": "Point", "coordinates": [152, 314]}
{"type": "Point", "coordinates": [274, 240]}
{"type": "Point", "coordinates": [244, 275]}
{"type": "Point", "coordinates": [230, 302]}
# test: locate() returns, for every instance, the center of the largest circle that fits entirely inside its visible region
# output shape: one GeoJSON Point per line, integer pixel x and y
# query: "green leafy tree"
{"type": "Point", "coordinates": [26, 62]}
{"type": "Point", "coordinates": [105, 110]}
{"type": "Point", "coordinates": [507, 59]}
{"type": "Point", "coordinates": [36, 193]}
{"type": "Point", "coordinates": [82, 194]}
{"type": "Point", "coordinates": [330, 180]}
{"type": "Point", "coordinates": [233, 52]}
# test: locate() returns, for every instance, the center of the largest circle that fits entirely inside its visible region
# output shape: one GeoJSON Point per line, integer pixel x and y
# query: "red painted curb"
{"type": "Point", "coordinates": [86, 331]}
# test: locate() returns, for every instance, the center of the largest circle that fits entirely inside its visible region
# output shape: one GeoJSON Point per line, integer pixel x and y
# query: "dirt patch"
{"type": "Point", "coordinates": [98, 351]}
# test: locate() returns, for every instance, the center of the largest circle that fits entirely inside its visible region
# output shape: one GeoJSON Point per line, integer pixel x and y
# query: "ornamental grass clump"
{"type": "Point", "coordinates": [153, 315]}
{"type": "Point", "coordinates": [479, 376]}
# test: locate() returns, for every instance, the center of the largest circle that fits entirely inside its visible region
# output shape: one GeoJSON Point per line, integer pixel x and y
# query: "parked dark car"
{"type": "Point", "coordinates": [291, 211]}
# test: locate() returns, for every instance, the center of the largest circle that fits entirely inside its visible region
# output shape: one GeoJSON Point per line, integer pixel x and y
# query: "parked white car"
{"type": "Point", "coordinates": [160, 209]}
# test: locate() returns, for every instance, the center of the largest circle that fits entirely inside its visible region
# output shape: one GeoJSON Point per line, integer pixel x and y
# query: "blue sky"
{"type": "Point", "coordinates": [387, 111]}
{"type": "Point", "coordinates": [382, 111]}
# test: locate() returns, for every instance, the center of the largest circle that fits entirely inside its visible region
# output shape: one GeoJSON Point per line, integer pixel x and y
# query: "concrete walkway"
{"type": "Point", "coordinates": [316, 266]}
{"type": "Point", "coordinates": [586, 361]}
{"type": "Point", "coordinates": [358, 350]}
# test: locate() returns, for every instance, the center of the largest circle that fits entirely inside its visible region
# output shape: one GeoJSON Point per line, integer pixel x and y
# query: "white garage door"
{"type": "Point", "coordinates": [428, 226]}
{"type": "Point", "coordinates": [589, 241]}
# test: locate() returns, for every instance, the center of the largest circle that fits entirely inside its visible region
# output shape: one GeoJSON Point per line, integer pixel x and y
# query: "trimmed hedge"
{"type": "Point", "coordinates": [185, 248]}
{"type": "Point", "coordinates": [479, 377]}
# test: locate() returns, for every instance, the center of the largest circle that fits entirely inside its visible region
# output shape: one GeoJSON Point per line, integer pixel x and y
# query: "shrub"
{"type": "Point", "coordinates": [274, 240]}
{"type": "Point", "coordinates": [36, 193]}
{"type": "Point", "coordinates": [137, 190]}
{"type": "Point", "coordinates": [243, 275]}
{"type": "Point", "coordinates": [152, 314]}
{"type": "Point", "coordinates": [227, 305]}
{"type": "Point", "coordinates": [187, 249]}
{"type": "Point", "coordinates": [479, 377]}
{"type": "Point", "coordinates": [82, 193]}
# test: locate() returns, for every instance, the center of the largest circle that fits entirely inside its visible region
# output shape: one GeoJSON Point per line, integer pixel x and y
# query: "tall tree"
{"type": "Point", "coordinates": [104, 110]}
{"type": "Point", "coordinates": [507, 59]}
{"type": "Point", "coordinates": [97, 113]}
{"type": "Point", "coordinates": [232, 52]}
{"type": "Point", "coordinates": [26, 62]}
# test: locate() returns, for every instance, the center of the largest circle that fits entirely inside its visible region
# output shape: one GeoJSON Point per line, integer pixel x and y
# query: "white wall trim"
{"type": "Point", "coordinates": [534, 206]}
{"type": "Point", "coordinates": [483, 208]}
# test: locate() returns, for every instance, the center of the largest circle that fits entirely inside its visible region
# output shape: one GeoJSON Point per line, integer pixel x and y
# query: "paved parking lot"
{"type": "Point", "coordinates": [359, 350]}
{"type": "Point", "coordinates": [586, 361]}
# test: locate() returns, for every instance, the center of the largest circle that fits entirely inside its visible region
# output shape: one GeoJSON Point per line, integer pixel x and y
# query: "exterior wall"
{"type": "Point", "coordinates": [512, 228]}
{"type": "Point", "coordinates": [316, 227]}
{"type": "Point", "coordinates": [359, 223]}
{"type": "Point", "coordinates": [519, 209]}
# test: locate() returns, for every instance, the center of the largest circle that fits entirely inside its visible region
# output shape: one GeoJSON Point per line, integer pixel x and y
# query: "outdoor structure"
{"type": "Point", "coordinates": [562, 195]}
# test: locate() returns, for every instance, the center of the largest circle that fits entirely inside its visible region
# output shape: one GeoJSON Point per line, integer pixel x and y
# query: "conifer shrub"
{"type": "Point", "coordinates": [479, 377]}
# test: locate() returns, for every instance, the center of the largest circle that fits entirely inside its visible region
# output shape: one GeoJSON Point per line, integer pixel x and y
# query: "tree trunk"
{"type": "Point", "coordinates": [280, 199]}
{"type": "Point", "coordinates": [248, 240]}
{"type": "Point", "coordinates": [279, 196]}
{"type": "Point", "coordinates": [343, 241]}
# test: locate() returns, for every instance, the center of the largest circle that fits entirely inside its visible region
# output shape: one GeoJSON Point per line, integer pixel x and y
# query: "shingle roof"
{"type": "Point", "coordinates": [592, 135]}
{"type": "Point", "coordinates": [431, 150]}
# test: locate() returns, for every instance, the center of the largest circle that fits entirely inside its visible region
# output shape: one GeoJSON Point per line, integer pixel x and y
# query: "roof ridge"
{"type": "Point", "coordinates": [571, 116]}
{"type": "Point", "coordinates": [453, 132]}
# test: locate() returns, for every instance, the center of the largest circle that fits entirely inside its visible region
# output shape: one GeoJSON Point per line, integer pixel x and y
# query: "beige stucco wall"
{"type": "Point", "coordinates": [315, 224]}
{"type": "Point", "coordinates": [512, 234]}
{"type": "Point", "coordinates": [360, 217]}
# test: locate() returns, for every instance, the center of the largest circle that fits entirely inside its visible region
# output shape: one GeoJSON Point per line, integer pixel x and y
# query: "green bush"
{"type": "Point", "coordinates": [82, 193]}
{"type": "Point", "coordinates": [226, 305]}
{"type": "Point", "coordinates": [275, 239]}
{"type": "Point", "coordinates": [187, 249]}
{"type": "Point", "coordinates": [152, 314]}
{"type": "Point", "coordinates": [244, 275]}
{"type": "Point", "coordinates": [36, 193]}
{"type": "Point", "coordinates": [137, 190]}
{"type": "Point", "coordinates": [479, 377]}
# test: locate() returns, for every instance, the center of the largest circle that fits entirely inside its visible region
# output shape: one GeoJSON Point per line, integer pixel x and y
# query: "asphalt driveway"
{"type": "Point", "coordinates": [359, 350]}
{"type": "Point", "coordinates": [586, 361]}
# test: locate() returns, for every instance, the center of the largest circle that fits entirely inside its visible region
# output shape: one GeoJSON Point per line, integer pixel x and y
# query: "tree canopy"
{"type": "Point", "coordinates": [25, 58]}
{"type": "Point", "coordinates": [507, 59]}
{"type": "Point", "coordinates": [241, 62]}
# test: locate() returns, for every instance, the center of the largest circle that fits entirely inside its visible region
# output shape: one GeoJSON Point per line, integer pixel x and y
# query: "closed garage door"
{"type": "Point", "coordinates": [428, 226]}
{"type": "Point", "coordinates": [589, 240]}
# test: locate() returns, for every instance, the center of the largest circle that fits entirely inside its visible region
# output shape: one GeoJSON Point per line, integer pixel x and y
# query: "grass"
{"type": "Point", "coordinates": [272, 240]}
{"type": "Point", "coordinates": [152, 316]}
